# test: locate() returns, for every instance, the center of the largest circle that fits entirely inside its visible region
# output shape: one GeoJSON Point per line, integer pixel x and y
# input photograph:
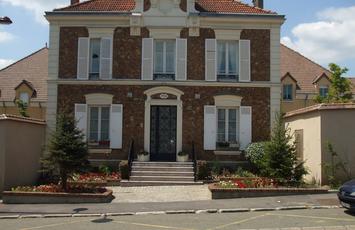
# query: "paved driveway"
{"type": "Point", "coordinates": [160, 194]}
{"type": "Point", "coordinates": [331, 219]}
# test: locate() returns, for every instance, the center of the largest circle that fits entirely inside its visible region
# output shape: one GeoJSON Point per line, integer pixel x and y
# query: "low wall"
{"type": "Point", "coordinates": [21, 145]}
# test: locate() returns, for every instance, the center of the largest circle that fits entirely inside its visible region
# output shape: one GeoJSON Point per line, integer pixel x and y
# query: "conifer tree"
{"type": "Point", "coordinates": [67, 152]}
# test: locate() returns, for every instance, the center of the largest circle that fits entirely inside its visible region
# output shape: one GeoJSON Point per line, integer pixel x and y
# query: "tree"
{"type": "Point", "coordinates": [340, 88]}
{"type": "Point", "coordinates": [67, 151]}
{"type": "Point", "coordinates": [22, 108]}
{"type": "Point", "coordinates": [280, 159]}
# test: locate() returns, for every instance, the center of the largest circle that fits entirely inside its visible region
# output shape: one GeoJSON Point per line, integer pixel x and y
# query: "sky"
{"type": "Point", "coordinates": [322, 30]}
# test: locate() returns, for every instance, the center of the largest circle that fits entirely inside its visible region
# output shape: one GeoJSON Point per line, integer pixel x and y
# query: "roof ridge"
{"type": "Point", "coordinates": [28, 56]}
{"type": "Point", "coordinates": [303, 56]}
{"type": "Point", "coordinates": [76, 4]}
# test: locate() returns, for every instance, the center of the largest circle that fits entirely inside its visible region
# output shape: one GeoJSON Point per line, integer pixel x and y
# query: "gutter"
{"type": "Point", "coordinates": [94, 13]}
{"type": "Point", "coordinates": [260, 16]}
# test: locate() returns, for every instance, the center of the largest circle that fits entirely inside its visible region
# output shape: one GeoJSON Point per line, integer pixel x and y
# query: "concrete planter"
{"type": "Point", "coordinates": [96, 183]}
{"type": "Point", "coordinates": [229, 193]}
{"type": "Point", "coordinates": [10, 197]}
{"type": "Point", "coordinates": [143, 158]}
{"type": "Point", "coordinates": [184, 158]}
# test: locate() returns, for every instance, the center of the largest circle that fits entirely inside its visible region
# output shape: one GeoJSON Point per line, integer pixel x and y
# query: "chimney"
{"type": "Point", "coordinates": [72, 2]}
{"type": "Point", "coordinates": [259, 3]}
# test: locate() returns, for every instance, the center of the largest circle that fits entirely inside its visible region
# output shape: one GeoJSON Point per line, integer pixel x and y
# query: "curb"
{"type": "Point", "coordinates": [201, 211]}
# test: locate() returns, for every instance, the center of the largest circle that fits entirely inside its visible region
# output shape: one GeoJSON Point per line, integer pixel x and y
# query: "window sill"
{"type": "Point", "coordinates": [100, 151]}
{"type": "Point", "coordinates": [283, 100]}
{"type": "Point", "coordinates": [227, 153]}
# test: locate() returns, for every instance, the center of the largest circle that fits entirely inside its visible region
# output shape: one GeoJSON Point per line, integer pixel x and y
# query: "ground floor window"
{"type": "Point", "coordinates": [99, 124]}
{"type": "Point", "coordinates": [227, 126]}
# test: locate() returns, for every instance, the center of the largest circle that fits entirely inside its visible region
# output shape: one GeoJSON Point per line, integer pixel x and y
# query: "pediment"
{"type": "Point", "coordinates": [167, 8]}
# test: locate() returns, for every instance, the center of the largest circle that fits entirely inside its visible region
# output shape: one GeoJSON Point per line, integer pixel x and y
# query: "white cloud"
{"type": "Point", "coordinates": [330, 39]}
{"type": "Point", "coordinates": [5, 62]}
{"type": "Point", "coordinates": [6, 36]}
{"type": "Point", "coordinates": [38, 7]}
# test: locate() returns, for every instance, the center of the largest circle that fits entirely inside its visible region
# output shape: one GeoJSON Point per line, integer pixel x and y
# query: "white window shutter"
{"type": "Point", "coordinates": [147, 59]}
{"type": "Point", "coordinates": [116, 125]}
{"type": "Point", "coordinates": [181, 58]}
{"type": "Point", "coordinates": [106, 59]}
{"type": "Point", "coordinates": [210, 60]}
{"type": "Point", "coordinates": [210, 127]}
{"type": "Point", "coordinates": [244, 60]}
{"type": "Point", "coordinates": [245, 126]}
{"type": "Point", "coordinates": [81, 118]}
{"type": "Point", "coordinates": [83, 58]}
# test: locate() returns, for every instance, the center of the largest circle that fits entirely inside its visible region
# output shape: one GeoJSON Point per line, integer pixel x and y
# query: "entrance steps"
{"type": "Point", "coordinates": [161, 174]}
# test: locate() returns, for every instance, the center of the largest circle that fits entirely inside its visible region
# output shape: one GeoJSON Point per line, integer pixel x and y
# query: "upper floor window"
{"type": "Point", "coordinates": [99, 123]}
{"type": "Point", "coordinates": [227, 60]}
{"type": "Point", "coordinates": [164, 59]}
{"type": "Point", "coordinates": [25, 98]}
{"type": "Point", "coordinates": [95, 48]}
{"type": "Point", "coordinates": [288, 92]}
{"type": "Point", "coordinates": [323, 91]}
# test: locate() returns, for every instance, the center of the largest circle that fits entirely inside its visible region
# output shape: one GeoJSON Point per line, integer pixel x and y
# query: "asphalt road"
{"type": "Point", "coordinates": [329, 219]}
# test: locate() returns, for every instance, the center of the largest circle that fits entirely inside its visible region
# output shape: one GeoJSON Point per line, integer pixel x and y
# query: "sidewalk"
{"type": "Point", "coordinates": [250, 204]}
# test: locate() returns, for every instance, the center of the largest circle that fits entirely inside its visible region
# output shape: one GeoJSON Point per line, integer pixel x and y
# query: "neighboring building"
{"type": "Point", "coordinates": [25, 80]}
{"type": "Point", "coordinates": [302, 80]}
{"type": "Point", "coordinates": [166, 74]}
{"type": "Point", "coordinates": [317, 125]}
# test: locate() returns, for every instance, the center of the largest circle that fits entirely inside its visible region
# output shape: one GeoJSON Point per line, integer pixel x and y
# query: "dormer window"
{"type": "Point", "coordinates": [24, 97]}
{"type": "Point", "coordinates": [164, 59]}
{"type": "Point", "coordinates": [287, 92]}
{"type": "Point", "coordinates": [323, 91]}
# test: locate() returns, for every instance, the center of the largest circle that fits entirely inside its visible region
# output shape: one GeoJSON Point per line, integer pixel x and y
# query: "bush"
{"type": "Point", "coordinates": [124, 170]}
{"type": "Point", "coordinates": [203, 171]}
{"type": "Point", "coordinates": [255, 153]}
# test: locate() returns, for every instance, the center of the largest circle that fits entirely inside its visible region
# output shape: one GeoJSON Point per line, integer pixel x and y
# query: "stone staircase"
{"type": "Point", "coordinates": [161, 173]}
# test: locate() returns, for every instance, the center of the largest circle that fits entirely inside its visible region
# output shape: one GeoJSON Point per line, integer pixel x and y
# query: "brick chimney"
{"type": "Point", "coordinates": [259, 3]}
{"type": "Point", "coordinates": [72, 2]}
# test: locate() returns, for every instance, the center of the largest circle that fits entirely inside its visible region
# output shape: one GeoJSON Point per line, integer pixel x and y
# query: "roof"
{"type": "Point", "coordinates": [319, 107]}
{"type": "Point", "coordinates": [304, 70]}
{"type": "Point", "coordinates": [101, 5]}
{"type": "Point", "coordinates": [33, 69]}
{"type": "Point", "coordinates": [228, 6]}
{"type": "Point", "coordinates": [212, 6]}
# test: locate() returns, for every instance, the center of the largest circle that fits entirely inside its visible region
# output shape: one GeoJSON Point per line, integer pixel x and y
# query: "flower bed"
{"type": "Point", "coordinates": [53, 194]}
{"type": "Point", "coordinates": [228, 188]}
{"type": "Point", "coordinates": [96, 179]}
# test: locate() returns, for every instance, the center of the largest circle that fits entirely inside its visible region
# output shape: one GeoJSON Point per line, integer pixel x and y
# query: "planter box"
{"type": "Point", "coordinates": [96, 183]}
{"type": "Point", "coordinates": [184, 158]}
{"type": "Point", "coordinates": [143, 158]}
{"type": "Point", "coordinates": [10, 197]}
{"type": "Point", "coordinates": [229, 193]}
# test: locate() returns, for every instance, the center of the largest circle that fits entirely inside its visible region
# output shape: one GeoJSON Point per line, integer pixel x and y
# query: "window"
{"type": "Point", "coordinates": [99, 123]}
{"type": "Point", "coordinates": [227, 125]}
{"type": "Point", "coordinates": [164, 59]}
{"type": "Point", "coordinates": [95, 46]}
{"type": "Point", "coordinates": [24, 97]}
{"type": "Point", "coordinates": [299, 143]}
{"type": "Point", "coordinates": [323, 91]}
{"type": "Point", "coordinates": [287, 92]}
{"type": "Point", "coordinates": [227, 60]}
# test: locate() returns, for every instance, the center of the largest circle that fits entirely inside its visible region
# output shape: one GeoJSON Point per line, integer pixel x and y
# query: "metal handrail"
{"type": "Point", "coordinates": [194, 160]}
{"type": "Point", "coordinates": [130, 156]}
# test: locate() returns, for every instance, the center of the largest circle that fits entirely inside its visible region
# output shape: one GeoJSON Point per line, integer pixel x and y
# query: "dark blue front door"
{"type": "Point", "coordinates": [163, 133]}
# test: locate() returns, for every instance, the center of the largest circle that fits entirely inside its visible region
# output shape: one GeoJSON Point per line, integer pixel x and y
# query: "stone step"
{"type": "Point", "coordinates": [162, 178]}
{"type": "Point", "coordinates": [137, 168]}
{"type": "Point", "coordinates": [161, 173]}
{"type": "Point", "coordinates": [128, 183]}
{"type": "Point", "coordinates": [163, 164]}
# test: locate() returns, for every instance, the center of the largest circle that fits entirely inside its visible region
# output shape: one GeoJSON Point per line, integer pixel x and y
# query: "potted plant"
{"type": "Point", "coordinates": [143, 156]}
{"type": "Point", "coordinates": [182, 156]}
